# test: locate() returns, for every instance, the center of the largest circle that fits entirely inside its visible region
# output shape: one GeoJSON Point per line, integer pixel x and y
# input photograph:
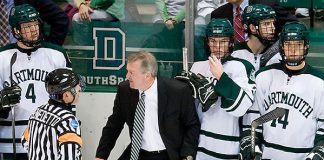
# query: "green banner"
{"type": "Point", "coordinates": [98, 51]}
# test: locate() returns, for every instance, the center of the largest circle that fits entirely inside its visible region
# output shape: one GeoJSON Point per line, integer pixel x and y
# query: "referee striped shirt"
{"type": "Point", "coordinates": [53, 133]}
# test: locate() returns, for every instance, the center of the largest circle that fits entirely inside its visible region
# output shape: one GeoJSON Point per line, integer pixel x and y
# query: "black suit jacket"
{"type": "Point", "coordinates": [224, 11]}
{"type": "Point", "coordinates": [177, 118]}
{"type": "Point", "coordinates": [282, 15]}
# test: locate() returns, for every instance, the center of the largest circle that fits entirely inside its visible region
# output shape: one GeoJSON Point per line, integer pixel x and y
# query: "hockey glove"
{"type": "Point", "coordinates": [184, 76]}
{"type": "Point", "coordinates": [10, 96]}
{"type": "Point", "coordinates": [205, 90]}
{"type": "Point", "coordinates": [246, 149]}
{"type": "Point", "coordinates": [317, 153]}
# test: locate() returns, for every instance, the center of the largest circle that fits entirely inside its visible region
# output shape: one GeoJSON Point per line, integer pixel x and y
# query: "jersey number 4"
{"type": "Point", "coordinates": [282, 120]}
{"type": "Point", "coordinates": [30, 93]}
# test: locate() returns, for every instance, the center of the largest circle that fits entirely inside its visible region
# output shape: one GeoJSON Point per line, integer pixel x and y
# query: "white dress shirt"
{"type": "Point", "coordinates": [244, 4]}
{"type": "Point", "coordinates": [152, 140]}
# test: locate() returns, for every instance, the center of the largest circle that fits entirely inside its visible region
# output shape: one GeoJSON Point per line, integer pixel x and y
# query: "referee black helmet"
{"type": "Point", "coordinates": [62, 80]}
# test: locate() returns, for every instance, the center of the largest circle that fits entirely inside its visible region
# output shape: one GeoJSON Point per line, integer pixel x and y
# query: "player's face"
{"type": "Point", "coordinates": [267, 29]}
{"type": "Point", "coordinates": [30, 31]}
{"type": "Point", "coordinates": [136, 76]}
{"type": "Point", "coordinates": [219, 46]}
{"type": "Point", "coordinates": [294, 50]}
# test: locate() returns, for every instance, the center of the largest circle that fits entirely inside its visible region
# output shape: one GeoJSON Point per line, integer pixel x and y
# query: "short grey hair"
{"type": "Point", "coordinates": [148, 61]}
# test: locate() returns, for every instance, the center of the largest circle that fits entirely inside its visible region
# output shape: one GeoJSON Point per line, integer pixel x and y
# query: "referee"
{"type": "Point", "coordinates": [53, 132]}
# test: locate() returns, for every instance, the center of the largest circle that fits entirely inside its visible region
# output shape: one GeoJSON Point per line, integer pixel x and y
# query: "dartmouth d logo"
{"type": "Point", "coordinates": [109, 48]}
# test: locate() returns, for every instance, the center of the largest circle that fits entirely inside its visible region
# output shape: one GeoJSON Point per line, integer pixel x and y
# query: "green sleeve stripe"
{"type": "Point", "coordinates": [219, 136]}
{"type": "Point", "coordinates": [287, 149]}
{"type": "Point", "coordinates": [232, 94]}
{"type": "Point", "coordinates": [227, 89]}
{"type": "Point", "coordinates": [237, 102]}
{"type": "Point", "coordinates": [217, 155]}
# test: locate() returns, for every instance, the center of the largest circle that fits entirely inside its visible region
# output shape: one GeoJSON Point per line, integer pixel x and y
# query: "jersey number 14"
{"type": "Point", "coordinates": [282, 120]}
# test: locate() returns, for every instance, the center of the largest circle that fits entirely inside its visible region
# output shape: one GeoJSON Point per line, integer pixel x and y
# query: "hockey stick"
{"type": "Point", "coordinates": [274, 114]}
{"type": "Point", "coordinates": [185, 59]}
{"type": "Point", "coordinates": [12, 82]}
{"type": "Point", "coordinates": [269, 53]}
{"type": "Point", "coordinates": [12, 61]}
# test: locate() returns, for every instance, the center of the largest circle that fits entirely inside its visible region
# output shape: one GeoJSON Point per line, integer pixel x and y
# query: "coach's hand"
{"type": "Point", "coordinates": [317, 153]}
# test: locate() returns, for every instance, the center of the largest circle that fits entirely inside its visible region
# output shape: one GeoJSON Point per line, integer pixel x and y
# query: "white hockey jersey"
{"type": "Point", "coordinates": [243, 51]}
{"type": "Point", "coordinates": [29, 72]}
{"type": "Point", "coordinates": [302, 95]}
{"type": "Point", "coordinates": [220, 131]}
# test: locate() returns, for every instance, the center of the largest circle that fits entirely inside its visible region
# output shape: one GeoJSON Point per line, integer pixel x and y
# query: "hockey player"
{"type": "Point", "coordinates": [23, 68]}
{"type": "Point", "coordinates": [299, 89]}
{"type": "Point", "coordinates": [229, 79]}
{"type": "Point", "coordinates": [53, 131]}
{"type": "Point", "coordinates": [258, 21]}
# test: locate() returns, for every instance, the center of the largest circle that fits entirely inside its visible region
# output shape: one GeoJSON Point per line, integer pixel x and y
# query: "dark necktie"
{"type": "Point", "coordinates": [4, 25]}
{"type": "Point", "coordinates": [239, 35]}
{"type": "Point", "coordinates": [138, 128]}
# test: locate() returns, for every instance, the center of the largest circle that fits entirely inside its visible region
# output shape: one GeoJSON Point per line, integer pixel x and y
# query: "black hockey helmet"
{"type": "Point", "coordinates": [61, 80]}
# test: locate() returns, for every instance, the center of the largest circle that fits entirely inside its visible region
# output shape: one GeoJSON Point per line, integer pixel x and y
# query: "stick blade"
{"type": "Point", "coordinates": [12, 61]}
{"type": "Point", "coordinates": [13, 58]}
{"type": "Point", "coordinates": [274, 114]}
